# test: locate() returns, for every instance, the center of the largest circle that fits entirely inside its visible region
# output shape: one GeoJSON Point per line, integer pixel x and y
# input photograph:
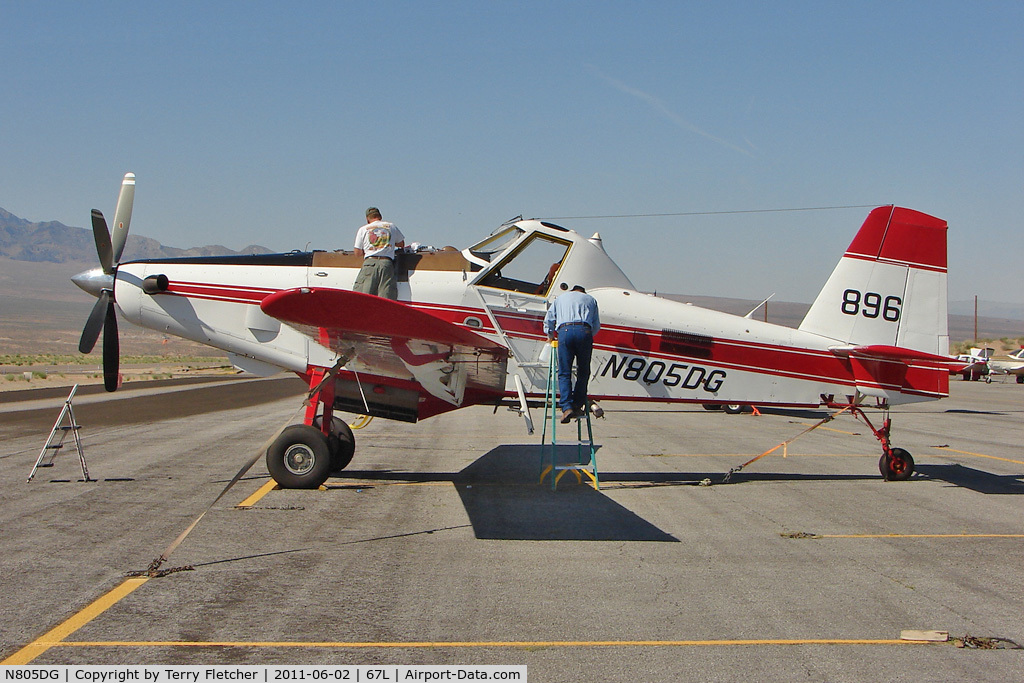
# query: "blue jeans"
{"type": "Point", "coordinates": [575, 343]}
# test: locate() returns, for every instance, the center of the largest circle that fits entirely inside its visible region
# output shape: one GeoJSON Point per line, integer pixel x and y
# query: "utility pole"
{"type": "Point", "coordinates": [975, 317]}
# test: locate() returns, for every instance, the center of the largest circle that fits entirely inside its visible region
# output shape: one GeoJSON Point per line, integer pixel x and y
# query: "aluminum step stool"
{"type": "Point", "coordinates": [54, 445]}
{"type": "Point", "coordinates": [586, 455]}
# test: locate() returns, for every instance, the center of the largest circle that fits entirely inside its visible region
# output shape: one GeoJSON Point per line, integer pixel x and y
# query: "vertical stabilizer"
{"type": "Point", "coordinates": [890, 286]}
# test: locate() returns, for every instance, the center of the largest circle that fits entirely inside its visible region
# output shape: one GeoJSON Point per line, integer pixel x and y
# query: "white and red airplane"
{"type": "Point", "coordinates": [467, 330]}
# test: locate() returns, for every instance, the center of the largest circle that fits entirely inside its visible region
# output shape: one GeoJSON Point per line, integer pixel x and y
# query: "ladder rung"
{"type": "Point", "coordinates": [560, 442]}
{"type": "Point", "coordinates": [55, 446]}
{"type": "Point", "coordinates": [67, 427]}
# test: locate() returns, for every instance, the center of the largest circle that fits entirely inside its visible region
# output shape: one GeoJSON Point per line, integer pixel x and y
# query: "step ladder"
{"type": "Point", "coordinates": [586, 456]}
{"type": "Point", "coordinates": [59, 433]}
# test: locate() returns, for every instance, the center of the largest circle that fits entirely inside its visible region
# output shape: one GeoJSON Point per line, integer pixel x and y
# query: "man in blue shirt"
{"type": "Point", "coordinates": [573, 317]}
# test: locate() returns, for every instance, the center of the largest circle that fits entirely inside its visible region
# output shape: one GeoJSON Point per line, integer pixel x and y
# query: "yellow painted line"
{"type": "Point", "coordinates": [496, 644]}
{"type": "Point", "coordinates": [55, 636]}
{"type": "Point", "coordinates": [921, 535]}
{"type": "Point", "coordinates": [773, 455]}
{"type": "Point", "coordinates": [371, 483]}
{"type": "Point", "coordinates": [255, 498]}
{"type": "Point", "coordinates": [978, 455]}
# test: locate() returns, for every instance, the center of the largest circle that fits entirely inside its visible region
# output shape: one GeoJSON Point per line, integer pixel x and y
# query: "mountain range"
{"type": "Point", "coordinates": [54, 242]}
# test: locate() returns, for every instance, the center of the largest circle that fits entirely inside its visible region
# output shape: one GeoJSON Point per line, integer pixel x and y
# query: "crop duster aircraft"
{"type": "Point", "coordinates": [467, 330]}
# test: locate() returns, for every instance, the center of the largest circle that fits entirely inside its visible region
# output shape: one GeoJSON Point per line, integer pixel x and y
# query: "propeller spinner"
{"type": "Point", "coordinates": [100, 282]}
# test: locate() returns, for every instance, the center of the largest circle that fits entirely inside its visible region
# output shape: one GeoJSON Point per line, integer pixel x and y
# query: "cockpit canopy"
{"type": "Point", "coordinates": [533, 257]}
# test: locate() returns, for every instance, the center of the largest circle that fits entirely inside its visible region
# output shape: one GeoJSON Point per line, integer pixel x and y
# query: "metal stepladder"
{"type": "Point", "coordinates": [53, 446]}
{"type": "Point", "coordinates": [586, 456]}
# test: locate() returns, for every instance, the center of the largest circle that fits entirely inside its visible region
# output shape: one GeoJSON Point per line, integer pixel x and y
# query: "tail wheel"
{"type": "Point", "coordinates": [896, 465]}
{"type": "Point", "coordinates": [299, 458]}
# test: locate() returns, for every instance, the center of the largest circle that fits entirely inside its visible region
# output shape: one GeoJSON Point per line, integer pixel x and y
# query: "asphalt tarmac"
{"type": "Point", "coordinates": [439, 546]}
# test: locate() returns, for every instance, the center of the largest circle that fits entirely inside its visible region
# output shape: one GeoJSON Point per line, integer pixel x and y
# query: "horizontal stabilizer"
{"type": "Point", "coordinates": [889, 371]}
{"type": "Point", "coordinates": [897, 354]}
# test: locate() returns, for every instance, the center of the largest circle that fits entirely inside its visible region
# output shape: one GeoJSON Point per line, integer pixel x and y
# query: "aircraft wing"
{"type": "Point", "coordinates": [393, 339]}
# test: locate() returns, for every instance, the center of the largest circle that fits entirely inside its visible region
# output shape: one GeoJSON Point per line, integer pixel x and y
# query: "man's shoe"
{"type": "Point", "coordinates": [567, 415]}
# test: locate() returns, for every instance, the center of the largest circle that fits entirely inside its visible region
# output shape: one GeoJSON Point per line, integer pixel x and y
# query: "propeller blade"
{"type": "Point", "coordinates": [111, 350]}
{"type": "Point", "coordinates": [91, 331]}
{"type": "Point", "coordinates": [102, 237]}
{"type": "Point", "coordinates": [123, 215]}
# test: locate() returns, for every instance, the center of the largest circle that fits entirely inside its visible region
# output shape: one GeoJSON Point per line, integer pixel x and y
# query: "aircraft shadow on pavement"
{"type": "Point", "coordinates": [504, 499]}
{"type": "Point", "coordinates": [975, 480]}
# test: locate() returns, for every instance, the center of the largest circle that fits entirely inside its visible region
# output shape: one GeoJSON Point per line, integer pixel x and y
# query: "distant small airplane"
{"type": "Point", "coordinates": [467, 330]}
{"type": "Point", "coordinates": [982, 363]}
{"type": "Point", "coordinates": [1011, 364]}
{"type": "Point", "coordinates": [974, 364]}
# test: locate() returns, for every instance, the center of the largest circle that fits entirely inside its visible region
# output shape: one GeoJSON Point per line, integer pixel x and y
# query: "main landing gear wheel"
{"type": "Point", "coordinates": [896, 465]}
{"type": "Point", "coordinates": [341, 443]}
{"type": "Point", "coordinates": [299, 458]}
{"type": "Point", "coordinates": [737, 408]}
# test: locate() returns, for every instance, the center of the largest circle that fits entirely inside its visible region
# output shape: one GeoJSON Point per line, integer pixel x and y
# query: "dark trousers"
{"type": "Point", "coordinates": [575, 343]}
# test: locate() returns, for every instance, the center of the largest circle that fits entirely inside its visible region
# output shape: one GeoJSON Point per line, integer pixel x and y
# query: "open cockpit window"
{"type": "Point", "coordinates": [531, 268]}
{"type": "Point", "coordinates": [496, 243]}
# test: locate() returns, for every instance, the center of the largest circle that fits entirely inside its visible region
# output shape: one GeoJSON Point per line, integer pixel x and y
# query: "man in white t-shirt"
{"type": "Point", "coordinates": [375, 244]}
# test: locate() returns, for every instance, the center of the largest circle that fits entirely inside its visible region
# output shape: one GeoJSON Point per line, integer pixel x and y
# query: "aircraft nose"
{"type": "Point", "coordinates": [94, 281]}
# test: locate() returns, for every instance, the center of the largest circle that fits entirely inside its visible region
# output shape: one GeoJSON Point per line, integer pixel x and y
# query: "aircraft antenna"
{"type": "Point", "coordinates": [711, 213]}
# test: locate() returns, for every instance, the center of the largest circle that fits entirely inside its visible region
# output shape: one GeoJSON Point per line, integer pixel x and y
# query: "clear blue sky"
{"type": "Point", "coordinates": [279, 123]}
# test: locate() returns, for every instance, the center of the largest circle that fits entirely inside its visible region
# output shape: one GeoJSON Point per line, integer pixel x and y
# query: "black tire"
{"type": "Point", "coordinates": [299, 458]}
{"type": "Point", "coordinates": [345, 448]}
{"type": "Point", "coordinates": [711, 406]}
{"type": "Point", "coordinates": [736, 408]}
{"type": "Point", "coordinates": [897, 465]}
{"type": "Point", "coordinates": [341, 442]}
{"type": "Point", "coordinates": [1020, 379]}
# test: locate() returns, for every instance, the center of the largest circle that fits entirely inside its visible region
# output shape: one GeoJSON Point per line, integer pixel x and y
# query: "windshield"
{"type": "Point", "coordinates": [531, 268]}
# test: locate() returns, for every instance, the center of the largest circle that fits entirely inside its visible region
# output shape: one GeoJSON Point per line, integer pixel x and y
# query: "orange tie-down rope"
{"type": "Point", "coordinates": [786, 443]}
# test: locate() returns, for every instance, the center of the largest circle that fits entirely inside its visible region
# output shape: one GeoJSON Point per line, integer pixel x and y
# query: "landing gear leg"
{"type": "Point", "coordinates": [340, 441]}
{"type": "Point", "coordinates": [304, 455]}
{"type": "Point", "coordinates": [896, 464]}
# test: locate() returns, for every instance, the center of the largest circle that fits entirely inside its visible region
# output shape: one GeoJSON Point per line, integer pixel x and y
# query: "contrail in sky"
{"type": "Point", "coordinates": [663, 109]}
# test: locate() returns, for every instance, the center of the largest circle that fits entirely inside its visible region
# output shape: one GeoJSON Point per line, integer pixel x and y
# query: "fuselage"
{"type": "Point", "coordinates": [648, 348]}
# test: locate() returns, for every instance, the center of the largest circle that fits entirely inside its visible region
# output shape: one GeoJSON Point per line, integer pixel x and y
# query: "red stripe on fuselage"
{"type": "Point", "coordinates": [230, 293]}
